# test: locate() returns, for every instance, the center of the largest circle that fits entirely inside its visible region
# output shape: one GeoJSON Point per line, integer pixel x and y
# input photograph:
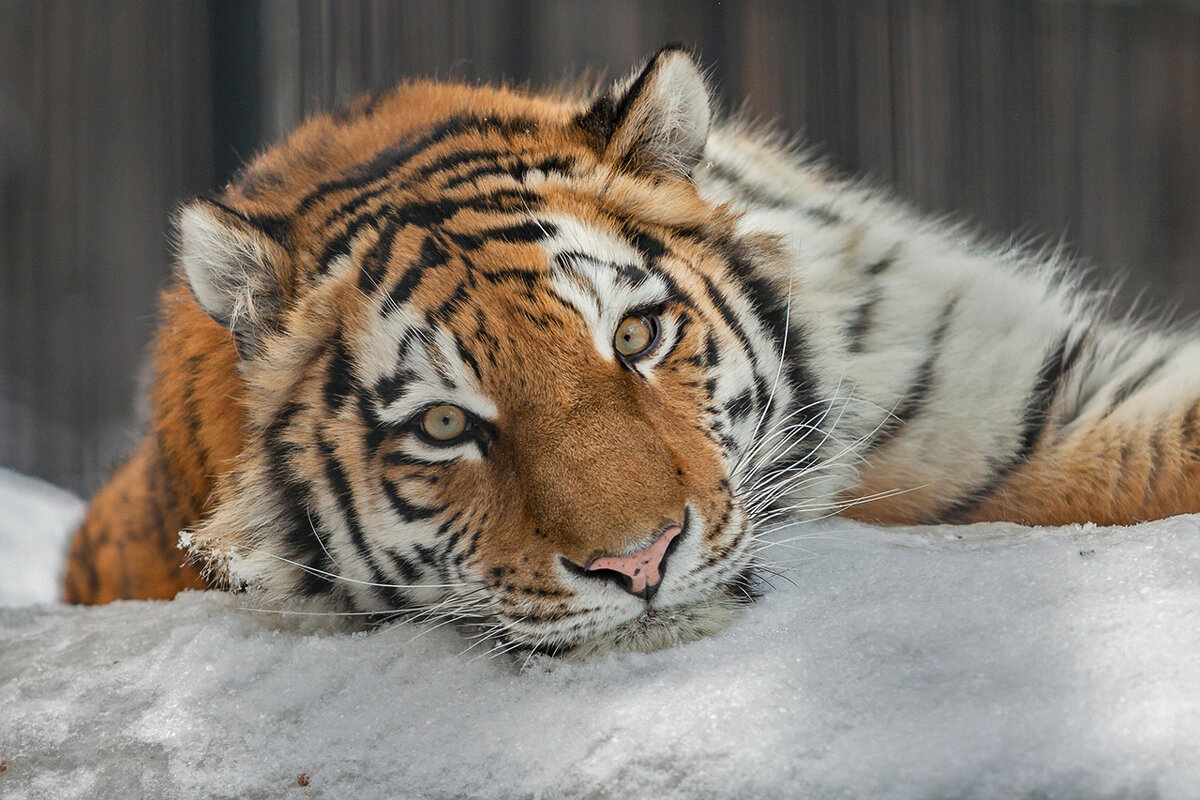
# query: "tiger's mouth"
{"type": "Point", "coordinates": [698, 605]}
{"type": "Point", "coordinates": [660, 628]}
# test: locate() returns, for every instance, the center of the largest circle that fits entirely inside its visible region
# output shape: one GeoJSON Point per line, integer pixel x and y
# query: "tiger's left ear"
{"type": "Point", "coordinates": [656, 120]}
{"type": "Point", "coordinates": [233, 265]}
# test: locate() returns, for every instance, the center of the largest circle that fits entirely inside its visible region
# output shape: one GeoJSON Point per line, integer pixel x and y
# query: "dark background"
{"type": "Point", "coordinates": [1064, 121]}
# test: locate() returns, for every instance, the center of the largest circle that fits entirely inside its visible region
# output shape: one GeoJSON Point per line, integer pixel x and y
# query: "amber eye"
{"type": "Point", "coordinates": [635, 335]}
{"type": "Point", "coordinates": [444, 423]}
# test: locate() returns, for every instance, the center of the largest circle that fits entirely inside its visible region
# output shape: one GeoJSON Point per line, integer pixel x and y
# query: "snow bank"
{"type": "Point", "coordinates": [988, 661]}
{"type": "Point", "coordinates": [36, 519]}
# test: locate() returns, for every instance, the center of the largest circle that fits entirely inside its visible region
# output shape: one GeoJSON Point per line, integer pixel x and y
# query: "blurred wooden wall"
{"type": "Point", "coordinates": [1056, 120]}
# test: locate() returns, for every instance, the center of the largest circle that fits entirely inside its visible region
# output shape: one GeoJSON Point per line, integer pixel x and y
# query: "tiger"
{"type": "Point", "coordinates": [556, 364]}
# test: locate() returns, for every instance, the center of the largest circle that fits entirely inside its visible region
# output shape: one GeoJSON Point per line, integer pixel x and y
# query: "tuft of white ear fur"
{"type": "Point", "coordinates": [231, 268]}
{"type": "Point", "coordinates": [657, 119]}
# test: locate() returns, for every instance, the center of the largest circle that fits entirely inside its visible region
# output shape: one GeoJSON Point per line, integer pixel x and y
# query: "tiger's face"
{"type": "Point", "coordinates": [503, 365]}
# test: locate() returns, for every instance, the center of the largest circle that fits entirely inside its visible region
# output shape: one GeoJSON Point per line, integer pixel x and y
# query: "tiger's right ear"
{"type": "Point", "coordinates": [232, 265]}
{"type": "Point", "coordinates": [657, 120]}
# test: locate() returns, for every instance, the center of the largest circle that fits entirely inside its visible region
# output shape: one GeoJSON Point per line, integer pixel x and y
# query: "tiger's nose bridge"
{"type": "Point", "coordinates": [596, 482]}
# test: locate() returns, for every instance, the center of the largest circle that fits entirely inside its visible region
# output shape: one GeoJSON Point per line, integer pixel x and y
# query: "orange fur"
{"type": "Point", "coordinates": [127, 546]}
{"type": "Point", "coordinates": [1114, 470]}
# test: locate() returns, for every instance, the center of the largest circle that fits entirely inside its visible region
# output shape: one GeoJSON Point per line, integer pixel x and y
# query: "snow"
{"type": "Point", "coordinates": [982, 661]}
{"type": "Point", "coordinates": [36, 520]}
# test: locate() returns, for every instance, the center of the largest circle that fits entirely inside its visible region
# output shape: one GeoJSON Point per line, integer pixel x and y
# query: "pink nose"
{"type": "Point", "coordinates": [644, 569]}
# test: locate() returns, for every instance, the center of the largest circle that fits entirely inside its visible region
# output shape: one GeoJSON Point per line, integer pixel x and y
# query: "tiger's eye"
{"type": "Point", "coordinates": [444, 423]}
{"type": "Point", "coordinates": [634, 335]}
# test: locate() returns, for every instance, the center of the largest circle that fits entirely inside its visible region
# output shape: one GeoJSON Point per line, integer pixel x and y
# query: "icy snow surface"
{"type": "Point", "coordinates": [987, 661]}
{"type": "Point", "coordinates": [35, 522]}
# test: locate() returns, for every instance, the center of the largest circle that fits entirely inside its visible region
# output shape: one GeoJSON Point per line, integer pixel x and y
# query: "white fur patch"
{"type": "Point", "coordinates": [227, 270]}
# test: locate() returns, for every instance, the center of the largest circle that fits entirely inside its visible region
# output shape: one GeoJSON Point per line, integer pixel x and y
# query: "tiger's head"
{"type": "Point", "coordinates": [503, 363]}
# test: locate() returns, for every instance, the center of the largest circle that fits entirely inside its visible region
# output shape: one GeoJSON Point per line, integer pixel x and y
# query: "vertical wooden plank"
{"type": "Point", "coordinates": [1058, 69]}
{"type": "Point", "coordinates": [1052, 118]}
{"type": "Point", "coordinates": [872, 150]}
{"type": "Point", "coordinates": [1179, 206]}
{"type": "Point", "coordinates": [112, 149]}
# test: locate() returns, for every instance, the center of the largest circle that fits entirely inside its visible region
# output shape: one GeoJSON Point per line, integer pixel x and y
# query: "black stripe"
{"type": "Point", "coordinates": [456, 159]}
{"type": "Point", "coordinates": [1034, 420]}
{"type": "Point", "coordinates": [339, 377]}
{"type": "Point", "coordinates": [726, 313]}
{"type": "Point", "coordinates": [1131, 386]}
{"type": "Point", "coordinates": [521, 232]}
{"type": "Point", "coordinates": [858, 328]}
{"type": "Point", "coordinates": [428, 214]}
{"type": "Point", "coordinates": [528, 277]}
{"type": "Point", "coordinates": [339, 484]}
{"type": "Point", "coordinates": [432, 256]}
{"type": "Point", "coordinates": [352, 205]}
{"type": "Point", "coordinates": [916, 395]}
{"type": "Point", "coordinates": [397, 458]}
{"type": "Point", "coordinates": [651, 247]}
{"type": "Point", "coordinates": [406, 569]}
{"type": "Point", "coordinates": [652, 250]}
{"type": "Point", "coordinates": [771, 306]}
{"type": "Point", "coordinates": [400, 154]}
{"type": "Point", "coordinates": [300, 535]}
{"type": "Point", "coordinates": [473, 175]}
{"type": "Point", "coordinates": [824, 213]}
{"type": "Point", "coordinates": [631, 274]}
{"type": "Point", "coordinates": [377, 429]}
{"type": "Point", "coordinates": [516, 171]}
{"type": "Point", "coordinates": [407, 511]}
{"type": "Point", "coordinates": [751, 193]}
{"type": "Point", "coordinates": [428, 557]}
{"type": "Point", "coordinates": [431, 213]}
{"type": "Point", "coordinates": [764, 296]}
{"type": "Point", "coordinates": [881, 266]}
{"type": "Point", "coordinates": [465, 356]}
{"type": "Point", "coordinates": [739, 407]}
{"type": "Point", "coordinates": [340, 245]}
{"type": "Point", "coordinates": [374, 264]}
{"type": "Point", "coordinates": [391, 388]}
{"type": "Point", "coordinates": [860, 325]}
{"type": "Point", "coordinates": [684, 320]}
{"type": "Point", "coordinates": [712, 352]}
{"type": "Point", "coordinates": [445, 308]}
{"type": "Point", "coordinates": [274, 226]}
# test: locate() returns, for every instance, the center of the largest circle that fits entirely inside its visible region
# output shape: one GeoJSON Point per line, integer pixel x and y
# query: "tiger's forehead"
{"type": "Point", "coordinates": [453, 320]}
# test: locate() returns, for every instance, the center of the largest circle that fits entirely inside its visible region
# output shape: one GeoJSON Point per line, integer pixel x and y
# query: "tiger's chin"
{"type": "Point", "coordinates": [659, 628]}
